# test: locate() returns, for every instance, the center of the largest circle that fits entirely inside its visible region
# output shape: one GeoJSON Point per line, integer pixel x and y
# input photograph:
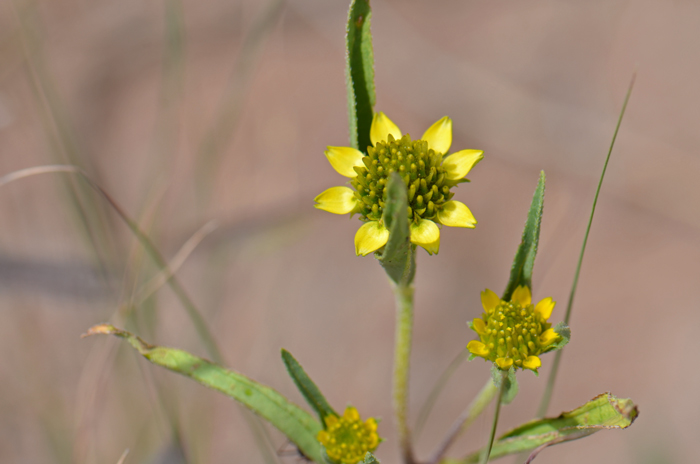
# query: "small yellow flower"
{"type": "Point", "coordinates": [515, 332]}
{"type": "Point", "coordinates": [427, 172]}
{"type": "Point", "coordinates": [347, 439]}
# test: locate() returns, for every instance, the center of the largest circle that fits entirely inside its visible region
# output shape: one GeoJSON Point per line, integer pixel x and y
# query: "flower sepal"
{"type": "Point", "coordinates": [399, 256]}
{"type": "Point", "coordinates": [564, 336]}
{"type": "Point", "coordinates": [511, 387]}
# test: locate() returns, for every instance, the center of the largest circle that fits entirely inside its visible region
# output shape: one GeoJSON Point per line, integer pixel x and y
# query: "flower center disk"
{"type": "Point", "coordinates": [513, 331]}
{"type": "Point", "coordinates": [420, 168]}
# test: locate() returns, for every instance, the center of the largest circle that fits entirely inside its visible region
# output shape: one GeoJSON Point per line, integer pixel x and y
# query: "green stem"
{"type": "Point", "coordinates": [475, 408]}
{"type": "Point", "coordinates": [402, 361]}
{"type": "Point", "coordinates": [499, 400]}
{"type": "Point", "coordinates": [547, 395]}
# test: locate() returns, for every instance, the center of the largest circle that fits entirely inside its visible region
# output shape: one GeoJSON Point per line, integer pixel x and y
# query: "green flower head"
{"type": "Point", "coordinates": [513, 333]}
{"type": "Point", "coordinates": [429, 176]}
{"type": "Point", "coordinates": [347, 439]}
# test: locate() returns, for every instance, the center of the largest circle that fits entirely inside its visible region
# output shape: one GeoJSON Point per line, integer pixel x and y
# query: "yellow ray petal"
{"type": "Point", "coordinates": [544, 308]}
{"type": "Point", "coordinates": [351, 414]}
{"type": "Point", "coordinates": [370, 237]}
{"type": "Point", "coordinates": [489, 300]}
{"type": "Point", "coordinates": [479, 326]}
{"type": "Point", "coordinates": [371, 424]}
{"type": "Point", "coordinates": [439, 135]}
{"type": "Point", "coordinates": [456, 214]}
{"type": "Point", "coordinates": [343, 159]}
{"type": "Point", "coordinates": [458, 165]}
{"type": "Point", "coordinates": [381, 127]}
{"type": "Point", "coordinates": [548, 337]}
{"type": "Point", "coordinates": [477, 348]}
{"type": "Point", "coordinates": [337, 200]}
{"type": "Point", "coordinates": [330, 420]}
{"type": "Point", "coordinates": [532, 363]}
{"type": "Point", "coordinates": [427, 235]}
{"type": "Point", "coordinates": [504, 363]}
{"type": "Point", "coordinates": [522, 295]}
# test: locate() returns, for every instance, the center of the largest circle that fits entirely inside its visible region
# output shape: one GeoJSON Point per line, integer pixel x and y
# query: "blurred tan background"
{"type": "Point", "coordinates": [220, 110]}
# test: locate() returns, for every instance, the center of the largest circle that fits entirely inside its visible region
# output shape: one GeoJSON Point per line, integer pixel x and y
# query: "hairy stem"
{"type": "Point", "coordinates": [402, 360]}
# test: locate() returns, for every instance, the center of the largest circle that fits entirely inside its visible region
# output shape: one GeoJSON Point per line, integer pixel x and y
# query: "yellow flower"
{"type": "Point", "coordinates": [515, 332]}
{"type": "Point", "coordinates": [427, 172]}
{"type": "Point", "coordinates": [347, 439]}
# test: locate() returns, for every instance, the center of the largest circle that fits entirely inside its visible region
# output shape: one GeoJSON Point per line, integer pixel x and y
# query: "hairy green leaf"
{"type": "Point", "coordinates": [524, 261]}
{"type": "Point", "coordinates": [399, 257]}
{"type": "Point", "coordinates": [307, 387]}
{"type": "Point", "coordinates": [298, 425]}
{"type": "Point", "coordinates": [360, 74]}
{"type": "Point", "coordinates": [605, 411]}
{"type": "Point", "coordinates": [370, 459]}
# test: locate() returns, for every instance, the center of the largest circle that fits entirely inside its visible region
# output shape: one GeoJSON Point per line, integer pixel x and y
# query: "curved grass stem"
{"type": "Point", "coordinates": [549, 388]}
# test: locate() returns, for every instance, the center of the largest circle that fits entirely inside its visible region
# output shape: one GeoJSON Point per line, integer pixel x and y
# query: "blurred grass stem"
{"type": "Point", "coordinates": [437, 389]}
{"type": "Point", "coordinates": [549, 388]}
{"type": "Point", "coordinates": [460, 425]}
{"type": "Point", "coordinates": [200, 325]}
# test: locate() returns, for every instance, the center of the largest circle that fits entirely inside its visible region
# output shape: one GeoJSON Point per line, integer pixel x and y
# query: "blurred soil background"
{"type": "Point", "coordinates": [191, 112]}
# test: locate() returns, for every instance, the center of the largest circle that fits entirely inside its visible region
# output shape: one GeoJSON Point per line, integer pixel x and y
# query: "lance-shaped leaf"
{"type": "Point", "coordinates": [307, 387]}
{"type": "Point", "coordinates": [360, 74]}
{"type": "Point", "coordinates": [399, 257]}
{"type": "Point", "coordinates": [524, 261]}
{"type": "Point", "coordinates": [298, 425]}
{"type": "Point", "coordinates": [605, 411]}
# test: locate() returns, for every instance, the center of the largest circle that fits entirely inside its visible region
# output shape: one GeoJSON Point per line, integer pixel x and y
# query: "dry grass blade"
{"type": "Point", "coordinates": [122, 459]}
{"type": "Point", "coordinates": [198, 321]}
{"type": "Point", "coordinates": [159, 280]}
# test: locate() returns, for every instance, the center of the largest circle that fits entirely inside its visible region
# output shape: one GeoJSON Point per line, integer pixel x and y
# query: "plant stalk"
{"type": "Point", "coordinates": [402, 360]}
{"type": "Point", "coordinates": [499, 400]}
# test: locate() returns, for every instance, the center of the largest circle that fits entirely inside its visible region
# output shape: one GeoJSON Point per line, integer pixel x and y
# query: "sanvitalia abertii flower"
{"type": "Point", "coordinates": [347, 439]}
{"type": "Point", "coordinates": [513, 333]}
{"type": "Point", "coordinates": [429, 176]}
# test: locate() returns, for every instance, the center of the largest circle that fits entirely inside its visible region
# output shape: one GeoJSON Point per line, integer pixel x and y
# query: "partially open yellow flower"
{"type": "Point", "coordinates": [347, 439]}
{"type": "Point", "coordinates": [427, 172]}
{"type": "Point", "coordinates": [515, 332]}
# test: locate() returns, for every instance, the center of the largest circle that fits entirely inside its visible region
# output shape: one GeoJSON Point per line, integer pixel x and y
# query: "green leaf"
{"type": "Point", "coordinates": [360, 74]}
{"type": "Point", "coordinates": [524, 261]}
{"type": "Point", "coordinates": [399, 257]}
{"type": "Point", "coordinates": [511, 388]}
{"type": "Point", "coordinates": [565, 333]}
{"type": "Point", "coordinates": [605, 411]}
{"type": "Point", "coordinates": [298, 425]}
{"type": "Point", "coordinates": [307, 387]}
{"type": "Point", "coordinates": [370, 459]}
